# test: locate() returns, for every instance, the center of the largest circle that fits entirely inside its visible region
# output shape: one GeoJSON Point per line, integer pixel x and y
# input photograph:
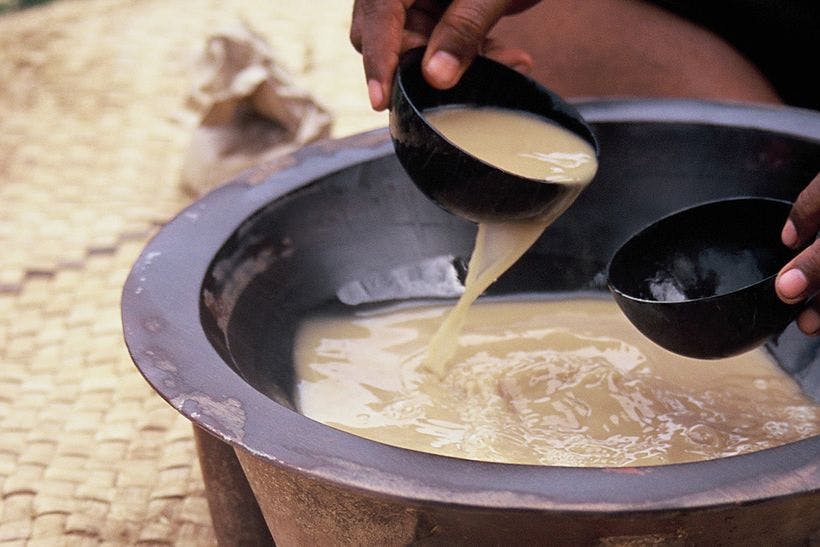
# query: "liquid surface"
{"type": "Point", "coordinates": [528, 146]}
{"type": "Point", "coordinates": [568, 383]}
{"type": "Point", "coordinates": [517, 142]}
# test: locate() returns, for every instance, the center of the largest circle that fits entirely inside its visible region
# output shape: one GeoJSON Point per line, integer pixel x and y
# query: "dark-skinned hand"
{"type": "Point", "coordinates": [455, 32]}
{"type": "Point", "coordinates": [800, 278]}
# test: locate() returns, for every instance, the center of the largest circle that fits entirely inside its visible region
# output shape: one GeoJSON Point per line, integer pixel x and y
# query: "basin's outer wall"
{"type": "Point", "coordinates": [236, 516]}
{"type": "Point", "coordinates": [303, 511]}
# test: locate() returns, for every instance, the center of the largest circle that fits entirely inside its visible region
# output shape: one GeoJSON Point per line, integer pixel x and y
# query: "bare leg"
{"type": "Point", "coordinates": [597, 48]}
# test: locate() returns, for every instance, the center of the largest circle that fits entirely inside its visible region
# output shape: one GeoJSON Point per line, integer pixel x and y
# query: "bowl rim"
{"type": "Point", "coordinates": [161, 323]}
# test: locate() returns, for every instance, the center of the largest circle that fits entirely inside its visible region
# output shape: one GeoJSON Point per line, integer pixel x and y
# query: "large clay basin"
{"type": "Point", "coordinates": [211, 306]}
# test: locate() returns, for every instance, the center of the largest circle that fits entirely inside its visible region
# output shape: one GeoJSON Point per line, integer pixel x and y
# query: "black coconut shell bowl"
{"type": "Point", "coordinates": [211, 306]}
{"type": "Point", "coordinates": [700, 282]}
{"type": "Point", "coordinates": [451, 177]}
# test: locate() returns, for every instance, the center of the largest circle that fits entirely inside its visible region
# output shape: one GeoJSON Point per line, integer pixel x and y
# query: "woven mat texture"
{"type": "Point", "coordinates": [93, 129]}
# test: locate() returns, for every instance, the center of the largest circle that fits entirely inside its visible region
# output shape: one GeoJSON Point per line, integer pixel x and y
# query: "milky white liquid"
{"type": "Point", "coordinates": [563, 382]}
{"type": "Point", "coordinates": [517, 142]}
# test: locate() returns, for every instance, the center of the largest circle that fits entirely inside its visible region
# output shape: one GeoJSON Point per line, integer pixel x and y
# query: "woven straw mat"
{"type": "Point", "coordinates": [92, 132]}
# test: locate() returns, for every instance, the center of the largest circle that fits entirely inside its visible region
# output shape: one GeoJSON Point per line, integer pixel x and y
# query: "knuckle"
{"type": "Point", "coordinates": [809, 263]}
{"type": "Point", "coordinates": [370, 9]}
{"type": "Point", "coordinates": [464, 28]}
{"type": "Point", "coordinates": [356, 37]}
{"type": "Point", "coordinates": [355, 34]}
{"type": "Point", "coordinates": [806, 210]}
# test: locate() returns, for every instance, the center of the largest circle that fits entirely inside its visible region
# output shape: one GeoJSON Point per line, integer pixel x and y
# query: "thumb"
{"type": "Point", "coordinates": [800, 278]}
{"type": "Point", "coordinates": [457, 38]}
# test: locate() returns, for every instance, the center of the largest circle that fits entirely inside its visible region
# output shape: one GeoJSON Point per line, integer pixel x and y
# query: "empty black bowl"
{"type": "Point", "coordinates": [456, 180]}
{"type": "Point", "coordinates": [700, 282]}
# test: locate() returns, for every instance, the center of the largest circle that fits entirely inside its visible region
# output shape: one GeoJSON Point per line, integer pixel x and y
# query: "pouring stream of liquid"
{"type": "Point", "coordinates": [528, 146]}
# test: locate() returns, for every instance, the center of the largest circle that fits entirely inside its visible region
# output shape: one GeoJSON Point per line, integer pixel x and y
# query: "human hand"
{"type": "Point", "coordinates": [455, 32]}
{"type": "Point", "coordinates": [800, 278]}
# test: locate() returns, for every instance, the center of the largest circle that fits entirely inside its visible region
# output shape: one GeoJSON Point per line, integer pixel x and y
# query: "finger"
{"type": "Point", "coordinates": [515, 58]}
{"type": "Point", "coordinates": [809, 320]}
{"type": "Point", "coordinates": [420, 20]}
{"type": "Point", "coordinates": [800, 278]}
{"type": "Point", "coordinates": [356, 26]}
{"type": "Point", "coordinates": [457, 39]}
{"type": "Point", "coordinates": [804, 218]}
{"type": "Point", "coordinates": [377, 27]}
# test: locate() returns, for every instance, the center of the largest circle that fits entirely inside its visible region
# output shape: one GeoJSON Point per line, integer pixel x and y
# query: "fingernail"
{"type": "Point", "coordinates": [789, 234]}
{"type": "Point", "coordinates": [443, 67]}
{"type": "Point", "coordinates": [523, 68]}
{"type": "Point", "coordinates": [374, 89]}
{"type": "Point", "coordinates": [792, 284]}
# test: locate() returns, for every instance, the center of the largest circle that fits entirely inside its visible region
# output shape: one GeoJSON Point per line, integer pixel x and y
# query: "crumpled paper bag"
{"type": "Point", "coordinates": [250, 111]}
